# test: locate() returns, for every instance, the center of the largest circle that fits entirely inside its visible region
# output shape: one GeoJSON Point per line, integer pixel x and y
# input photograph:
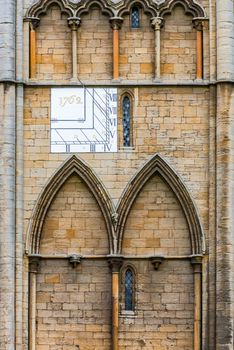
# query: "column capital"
{"type": "Point", "coordinates": [196, 261]}
{"type": "Point", "coordinates": [198, 24]}
{"type": "Point", "coordinates": [116, 22]}
{"type": "Point", "coordinates": [33, 22]}
{"type": "Point", "coordinates": [74, 22]}
{"type": "Point", "coordinates": [34, 263]}
{"type": "Point", "coordinates": [115, 262]}
{"type": "Point", "coordinates": [157, 23]}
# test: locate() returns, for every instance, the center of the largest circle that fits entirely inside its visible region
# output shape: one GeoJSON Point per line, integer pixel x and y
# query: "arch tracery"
{"type": "Point", "coordinates": [116, 8]}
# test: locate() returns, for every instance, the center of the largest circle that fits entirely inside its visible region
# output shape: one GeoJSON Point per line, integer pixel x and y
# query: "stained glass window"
{"type": "Point", "coordinates": [135, 17]}
{"type": "Point", "coordinates": [126, 121]}
{"type": "Point", "coordinates": [129, 290]}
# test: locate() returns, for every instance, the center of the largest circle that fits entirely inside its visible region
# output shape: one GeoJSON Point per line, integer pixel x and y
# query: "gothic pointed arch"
{"type": "Point", "coordinates": [158, 166]}
{"type": "Point", "coordinates": [191, 7]}
{"type": "Point", "coordinates": [84, 7]}
{"type": "Point", "coordinates": [72, 166]}
{"type": "Point", "coordinates": [40, 8]}
{"type": "Point", "coordinates": [148, 7]}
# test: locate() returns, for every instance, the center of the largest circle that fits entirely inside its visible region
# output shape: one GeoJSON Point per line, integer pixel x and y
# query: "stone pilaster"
{"type": "Point", "coordinates": [225, 217]}
{"type": "Point", "coordinates": [74, 23]}
{"type": "Point", "coordinates": [115, 263]}
{"type": "Point", "coordinates": [157, 23]}
{"type": "Point", "coordinates": [7, 216]}
{"type": "Point", "coordinates": [225, 177]}
{"type": "Point", "coordinates": [116, 23]}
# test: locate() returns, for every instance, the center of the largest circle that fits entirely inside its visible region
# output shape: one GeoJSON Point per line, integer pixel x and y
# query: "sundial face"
{"type": "Point", "coordinates": [83, 120]}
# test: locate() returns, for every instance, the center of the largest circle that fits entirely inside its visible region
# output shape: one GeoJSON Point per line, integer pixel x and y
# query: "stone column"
{"type": "Point", "coordinates": [74, 23]}
{"type": "Point", "coordinates": [157, 23]}
{"type": "Point", "coordinates": [115, 264]}
{"type": "Point", "coordinates": [7, 173]}
{"type": "Point", "coordinates": [197, 270]}
{"type": "Point", "coordinates": [33, 269]}
{"type": "Point", "coordinates": [33, 24]}
{"type": "Point", "coordinates": [116, 23]}
{"type": "Point", "coordinates": [225, 176]}
{"type": "Point", "coordinates": [198, 25]}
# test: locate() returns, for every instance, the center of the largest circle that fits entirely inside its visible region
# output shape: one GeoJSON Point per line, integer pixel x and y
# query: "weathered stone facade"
{"type": "Point", "coordinates": [72, 225]}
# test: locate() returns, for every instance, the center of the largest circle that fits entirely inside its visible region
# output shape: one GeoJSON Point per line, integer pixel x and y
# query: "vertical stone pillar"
{"type": "Point", "coordinates": [197, 270]}
{"type": "Point", "coordinates": [115, 264]}
{"type": "Point", "coordinates": [34, 22]}
{"type": "Point", "coordinates": [33, 269]}
{"type": "Point", "coordinates": [74, 23]}
{"type": "Point", "coordinates": [7, 173]}
{"type": "Point", "coordinates": [157, 23]}
{"type": "Point", "coordinates": [198, 25]}
{"type": "Point", "coordinates": [225, 176]}
{"type": "Point", "coordinates": [116, 23]}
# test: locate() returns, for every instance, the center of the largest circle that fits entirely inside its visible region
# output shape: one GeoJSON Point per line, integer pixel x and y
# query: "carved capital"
{"type": "Point", "coordinates": [196, 261]}
{"type": "Point", "coordinates": [74, 22]}
{"type": "Point", "coordinates": [115, 262]}
{"type": "Point", "coordinates": [157, 23]}
{"type": "Point", "coordinates": [33, 22]}
{"type": "Point", "coordinates": [198, 24]}
{"type": "Point", "coordinates": [34, 263]}
{"type": "Point", "coordinates": [116, 22]}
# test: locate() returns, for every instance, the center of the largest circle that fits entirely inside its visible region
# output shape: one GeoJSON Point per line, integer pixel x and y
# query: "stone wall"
{"type": "Point", "coordinates": [137, 49]}
{"type": "Point", "coordinates": [74, 222]}
{"type": "Point", "coordinates": [178, 46]}
{"type": "Point", "coordinates": [53, 46]}
{"type": "Point", "coordinates": [95, 47]}
{"type": "Point", "coordinates": [73, 306]}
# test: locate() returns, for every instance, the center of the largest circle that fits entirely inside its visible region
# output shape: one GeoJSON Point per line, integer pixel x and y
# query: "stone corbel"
{"type": "Point", "coordinates": [157, 24]}
{"type": "Point", "coordinates": [74, 23]}
{"type": "Point", "coordinates": [74, 260]}
{"type": "Point", "coordinates": [116, 23]}
{"type": "Point", "coordinates": [156, 261]}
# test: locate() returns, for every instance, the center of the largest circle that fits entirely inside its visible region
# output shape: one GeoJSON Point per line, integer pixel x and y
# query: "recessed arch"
{"type": "Point", "coordinates": [157, 165]}
{"type": "Point", "coordinates": [190, 7]}
{"type": "Point", "coordinates": [41, 7]}
{"type": "Point", "coordinates": [148, 7]}
{"type": "Point", "coordinates": [72, 166]}
{"type": "Point", "coordinates": [84, 7]}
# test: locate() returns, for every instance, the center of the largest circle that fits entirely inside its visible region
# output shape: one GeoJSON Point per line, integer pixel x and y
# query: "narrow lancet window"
{"type": "Point", "coordinates": [126, 122]}
{"type": "Point", "coordinates": [135, 17]}
{"type": "Point", "coordinates": [129, 306]}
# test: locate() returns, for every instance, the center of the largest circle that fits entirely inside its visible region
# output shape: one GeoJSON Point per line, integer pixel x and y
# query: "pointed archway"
{"type": "Point", "coordinates": [72, 166]}
{"type": "Point", "coordinates": [157, 165]}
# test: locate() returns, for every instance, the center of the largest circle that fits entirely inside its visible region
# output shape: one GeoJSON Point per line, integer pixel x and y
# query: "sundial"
{"type": "Point", "coordinates": [83, 120]}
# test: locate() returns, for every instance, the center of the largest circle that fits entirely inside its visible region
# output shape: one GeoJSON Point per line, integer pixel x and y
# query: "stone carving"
{"type": "Point", "coordinates": [116, 8]}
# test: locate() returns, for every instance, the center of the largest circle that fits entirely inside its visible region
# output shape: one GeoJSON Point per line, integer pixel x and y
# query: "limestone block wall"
{"type": "Point", "coordinates": [95, 47]}
{"type": "Point", "coordinates": [178, 46]}
{"type": "Point", "coordinates": [163, 317]}
{"type": "Point", "coordinates": [73, 306]}
{"type": "Point", "coordinates": [74, 222]}
{"type": "Point", "coordinates": [53, 46]}
{"type": "Point", "coordinates": [156, 223]}
{"type": "Point", "coordinates": [137, 49]}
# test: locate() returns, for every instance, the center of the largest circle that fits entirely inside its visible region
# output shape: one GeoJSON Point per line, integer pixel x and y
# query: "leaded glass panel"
{"type": "Point", "coordinates": [126, 121]}
{"type": "Point", "coordinates": [135, 17]}
{"type": "Point", "coordinates": [128, 290]}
